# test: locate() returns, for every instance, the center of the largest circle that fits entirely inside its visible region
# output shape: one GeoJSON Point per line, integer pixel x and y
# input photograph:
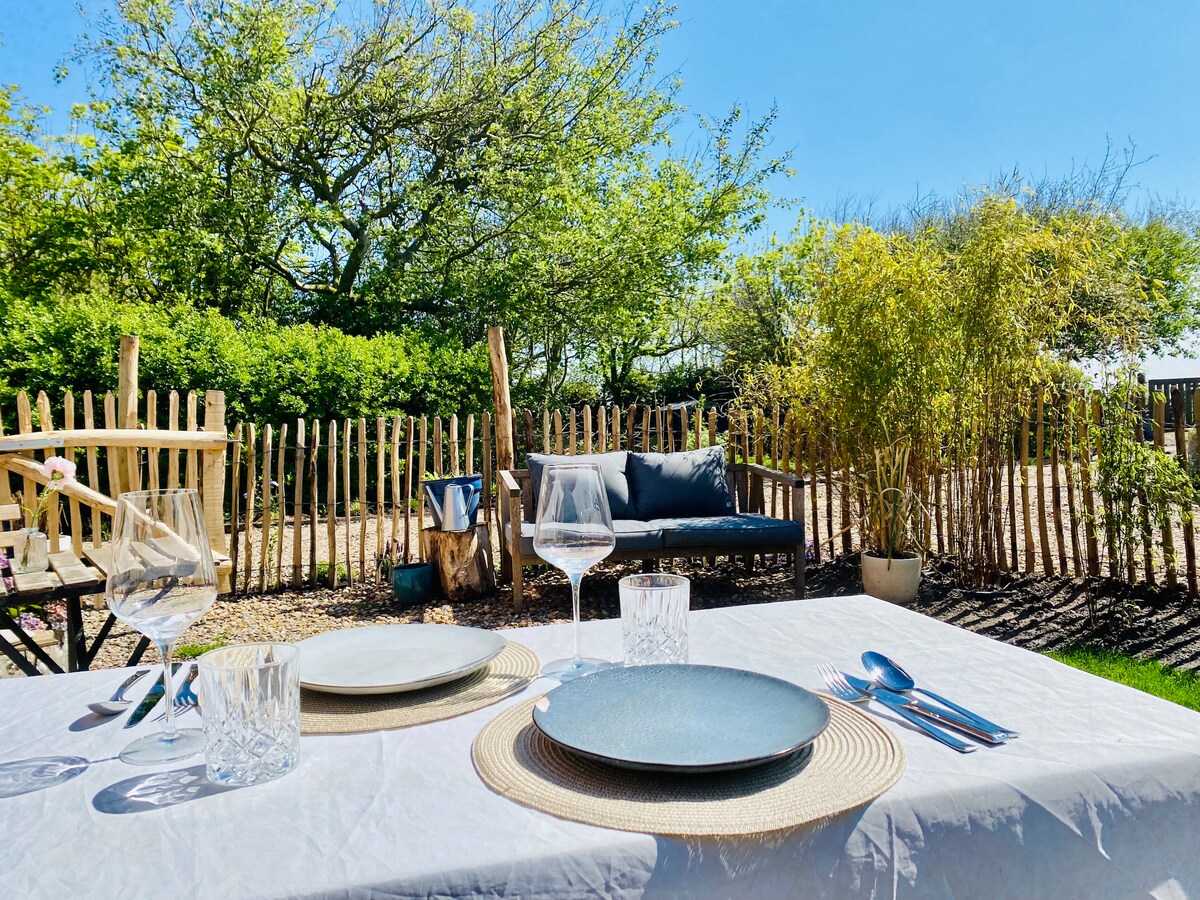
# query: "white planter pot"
{"type": "Point", "coordinates": [895, 580]}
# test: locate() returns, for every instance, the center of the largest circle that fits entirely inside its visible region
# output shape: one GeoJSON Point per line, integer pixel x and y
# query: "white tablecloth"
{"type": "Point", "coordinates": [1099, 798]}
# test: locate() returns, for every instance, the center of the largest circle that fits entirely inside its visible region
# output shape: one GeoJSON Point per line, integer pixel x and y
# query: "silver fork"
{"type": "Point", "coordinates": [185, 697]}
{"type": "Point", "coordinates": [843, 690]}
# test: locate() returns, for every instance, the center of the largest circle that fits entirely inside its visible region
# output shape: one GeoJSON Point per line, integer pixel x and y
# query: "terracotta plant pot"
{"type": "Point", "coordinates": [896, 580]}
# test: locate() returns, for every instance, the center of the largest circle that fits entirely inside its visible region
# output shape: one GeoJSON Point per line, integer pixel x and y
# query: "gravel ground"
{"type": "Point", "coordinates": [1036, 612]}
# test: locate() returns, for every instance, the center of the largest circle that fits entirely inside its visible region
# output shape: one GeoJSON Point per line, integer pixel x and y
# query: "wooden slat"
{"type": "Point", "coordinates": [314, 500]}
{"type": "Point", "coordinates": [235, 503]}
{"type": "Point", "coordinates": [380, 489]}
{"type": "Point", "coordinates": [601, 429]}
{"type": "Point", "coordinates": [362, 500]}
{"type": "Point", "coordinates": [1168, 537]}
{"type": "Point", "coordinates": [331, 501]}
{"type": "Point", "coordinates": [408, 489]}
{"type": "Point", "coordinates": [422, 472]}
{"type": "Point", "coordinates": [112, 437]}
{"type": "Point", "coordinates": [93, 467]}
{"type": "Point", "coordinates": [1043, 531]}
{"type": "Point", "coordinates": [34, 582]}
{"type": "Point", "coordinates": [268, 515]}
{"type": "Point", "coordinates": [281, 494]}
{"type": "Point", "coordinates": [469, 466]}
{"type": "Point", "coordinates": [173, 425]}
{"type": "Point", "coordinates": [1056, 488]}
{"type": "Point", "coordinates": [1179, 414]}
{"type": "Point", "coordinates": [100, 557]}
{"type": "Point", "coordinates": [25, 427]}
{"type": "Point", "coordinates": [1085, 478]}
{"type": "Point", "coordinates": [397, 541]}
{"type": "Point", "coordinates": [587, 428]}
{"type": "Point", "coordinates": [485, 422]}
{"type": "Point", "coordinates": [251, 488]}
{"type": "Point", "coordinates": [545, 431]}
{"type": "Point", "coordinates": [615, 424]}
{"type": "Point", "coordinates": [69, 452]}
{"type": "Point", "coordinates": [5, 487]}
{"type": "Point", "coordinates": [71, 571]}
{"type": "Point", "coordinates": [630, 425]}
{"type": "Point", "coordinates": [572, 433]}
{"type": "Point", "coordinates": [301, 473]}
{"type": "Point", "coordinates": [152, 452]}
{"type": "Point", "coordinates": [558, 432]}
{"type": "Point", "coordinates": [1026, 510]}
{"type": "Point", "coordinates": [193, 473]}
{"type": "Point", "coordinates": [347, 438]}
{"type": "Point", "coordinates": [454, 468]}
{"type": "Point", "coordinates": [10, 512]}
{"type": "Point", "coordinates": [645, 429]}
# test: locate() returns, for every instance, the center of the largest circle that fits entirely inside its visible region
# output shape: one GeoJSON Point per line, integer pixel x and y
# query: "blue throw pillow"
{"type": "Point", "coordinates": [667, 485]}
{"type": "Point", "coordinates": [612, 471]}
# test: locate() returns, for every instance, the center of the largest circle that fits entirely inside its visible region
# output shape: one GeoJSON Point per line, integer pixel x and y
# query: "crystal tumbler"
{"type": "Point", "coordinates": [250, 702]}
{"type": "Point", "coordinates": [654, 611]}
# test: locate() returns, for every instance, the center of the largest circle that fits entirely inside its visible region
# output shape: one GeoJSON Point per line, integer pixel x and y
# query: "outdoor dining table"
{"type": "Point", "coordinates": [1099, 797]}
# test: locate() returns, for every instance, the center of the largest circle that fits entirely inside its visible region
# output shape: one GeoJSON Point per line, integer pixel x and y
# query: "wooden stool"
{"type": "Point", "coordinates": [462, 560]}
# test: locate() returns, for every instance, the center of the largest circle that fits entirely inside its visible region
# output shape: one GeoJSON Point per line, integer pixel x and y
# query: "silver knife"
{"type": "Point", "coordinates": [150, 700]}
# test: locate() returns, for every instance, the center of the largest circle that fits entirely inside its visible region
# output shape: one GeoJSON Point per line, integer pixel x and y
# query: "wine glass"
{"type": "Point", "coordinates": [574, 532]}
{"type": "Point", "coordinates": [162, 580]}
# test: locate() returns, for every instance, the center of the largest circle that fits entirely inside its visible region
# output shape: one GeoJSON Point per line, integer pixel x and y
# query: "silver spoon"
{"type": "Point", "coordinates": [894, 678]}
{"type": "Point", "coordinates": [117, 703]}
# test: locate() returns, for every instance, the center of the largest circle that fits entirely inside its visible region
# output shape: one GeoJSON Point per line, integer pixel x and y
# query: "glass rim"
{"type": "Point", "coordinates": [207, 660]}
{"type": "Point", "coordinates": [670, 579]}
{"type": "Point", "coordinates": [158, 492]}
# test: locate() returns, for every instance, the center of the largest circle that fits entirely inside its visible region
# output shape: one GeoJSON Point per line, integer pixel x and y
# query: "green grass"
{"type": "Point", "coordinates": [1144, 674]}
{"type": "Point", "coordinates": [191, 651]}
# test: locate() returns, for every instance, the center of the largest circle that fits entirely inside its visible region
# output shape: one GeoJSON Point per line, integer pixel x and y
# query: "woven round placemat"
{"type": "Point", "coordinates": [852, 762]}
{"type": "Point", "coordinates": [512, 671]}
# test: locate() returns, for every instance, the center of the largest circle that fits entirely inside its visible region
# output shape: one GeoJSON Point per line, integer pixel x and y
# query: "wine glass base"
{"type": "Point", "coordinates": [567, 669]}
{"type": "Point", "coordinates": [154, 749]}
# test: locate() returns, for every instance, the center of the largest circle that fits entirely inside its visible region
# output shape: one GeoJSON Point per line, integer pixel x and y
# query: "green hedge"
{"type": "Point", "coordinates": [269, 372]}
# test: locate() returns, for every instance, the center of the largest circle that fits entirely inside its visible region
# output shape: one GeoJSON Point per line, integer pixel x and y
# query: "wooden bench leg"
{"type": "Point", "coordinates": [518, 586]}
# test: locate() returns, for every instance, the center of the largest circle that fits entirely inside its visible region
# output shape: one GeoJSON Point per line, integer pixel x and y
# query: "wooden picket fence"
{"type": "Point", "coordinates": [338, 502]}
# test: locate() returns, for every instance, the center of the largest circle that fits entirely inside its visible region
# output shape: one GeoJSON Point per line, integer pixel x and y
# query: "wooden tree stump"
{"type": "Point", "coordinates": [462, 561]}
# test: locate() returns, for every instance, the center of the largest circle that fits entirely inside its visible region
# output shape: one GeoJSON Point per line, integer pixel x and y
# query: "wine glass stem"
{"type": "Point", "coordinates": [166, 649]}
{"type": "Point", "coordinates": [575, 580]}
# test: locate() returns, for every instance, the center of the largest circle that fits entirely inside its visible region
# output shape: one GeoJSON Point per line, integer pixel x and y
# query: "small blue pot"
{"type": "Point", "coordinates": [413, 583]}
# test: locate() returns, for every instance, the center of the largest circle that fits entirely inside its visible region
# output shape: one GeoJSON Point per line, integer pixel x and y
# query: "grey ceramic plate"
{"type": "Point", "coordinates": [385, 659]}
{"type": "Point", "coordinates": [681, 718]}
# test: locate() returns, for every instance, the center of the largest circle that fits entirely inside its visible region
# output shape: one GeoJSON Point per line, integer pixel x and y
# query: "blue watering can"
{"type": "Point", "coordinates": [454, 502]}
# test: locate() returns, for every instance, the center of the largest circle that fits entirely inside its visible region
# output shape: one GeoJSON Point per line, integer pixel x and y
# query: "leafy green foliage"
{"type": "Point", "coordinates": [269, 372]}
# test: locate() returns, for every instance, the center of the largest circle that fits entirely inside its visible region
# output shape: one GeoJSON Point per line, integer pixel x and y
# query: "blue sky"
{"type": "Point", "coordinates": [880, 100]}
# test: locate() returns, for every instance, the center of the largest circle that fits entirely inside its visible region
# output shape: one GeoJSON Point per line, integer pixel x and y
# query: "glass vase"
{"type": "Point", "coordinates": [31, 552]}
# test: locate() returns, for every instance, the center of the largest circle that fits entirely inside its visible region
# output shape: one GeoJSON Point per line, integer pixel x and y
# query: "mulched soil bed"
{"type": "Point", "coordinates": [1035, 612]}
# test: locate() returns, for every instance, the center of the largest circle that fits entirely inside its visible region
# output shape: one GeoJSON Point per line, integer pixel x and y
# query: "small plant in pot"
{"type": "Point", "coordinates": [890, 570]}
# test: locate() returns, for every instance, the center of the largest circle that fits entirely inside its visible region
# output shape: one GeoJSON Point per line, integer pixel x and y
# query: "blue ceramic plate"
{"type": "Point", "coordinates": [681, 718]}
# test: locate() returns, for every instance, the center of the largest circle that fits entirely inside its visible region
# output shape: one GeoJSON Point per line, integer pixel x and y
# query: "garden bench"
{"type": "Point", "coordinates": [686, 504]}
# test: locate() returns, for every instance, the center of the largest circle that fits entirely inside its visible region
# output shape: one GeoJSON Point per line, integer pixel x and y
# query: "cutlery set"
{"type": "Point", "coordinates": [891, 686]}
{"type": "Point", "coordinates": [185, 697]}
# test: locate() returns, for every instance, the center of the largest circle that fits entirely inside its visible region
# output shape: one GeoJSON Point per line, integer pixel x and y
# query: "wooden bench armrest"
{"type": "Point", "coordinates": [509, 483]}
{"type": "Point", "coordinates": [783, 478]}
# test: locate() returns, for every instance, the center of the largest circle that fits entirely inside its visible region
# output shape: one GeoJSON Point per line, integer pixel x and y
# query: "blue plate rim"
{"type": "Point", "coordinates": [689, 768]}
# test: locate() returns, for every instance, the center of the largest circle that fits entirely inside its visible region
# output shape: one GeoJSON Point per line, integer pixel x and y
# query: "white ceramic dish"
{"type": "Point", "coordinates": [386, 659]}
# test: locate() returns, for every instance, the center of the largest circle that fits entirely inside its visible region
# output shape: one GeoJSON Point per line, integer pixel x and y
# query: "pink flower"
{"type": "Point", "coordinates": [59, 470]}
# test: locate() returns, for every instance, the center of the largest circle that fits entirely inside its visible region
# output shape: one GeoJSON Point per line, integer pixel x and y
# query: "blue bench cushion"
{"type": "Point", "coordinates": [672, 485]}
{"type": "Point", "coordinates": [745, 530]}
{"type": "Point", "coordinates": [612, 470]}
{"type": "Point", "coordinates": [631, 535]}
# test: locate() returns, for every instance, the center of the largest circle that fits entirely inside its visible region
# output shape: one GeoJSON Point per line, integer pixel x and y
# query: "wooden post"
{"type": "Point", "coordinates": [281, 495]}
{"type": "Point", "coordinates": [615, 424]}
{"type": "Point", "coordinates": [69, 453]}
{"type": "Point", "coordinates": [380, 489]}
{"type": "Point", "coordinates": [408, 488]}
{"type": "Point", "coordinates": [498, 359]}
{"type": "Point", "coordinates": [437, 446]}
{"type": "Point", "coordinates": [1189, 531]}
{"type": "Point", "coordinates": [173, 425]}
{"type": "Point", "coordinates": [454, 468]}
{"type": "Point", "coordinates": [268, 514]}
{"type": "Point", "coordinates": [362, 501]}
{"type": "Point", "coordinates": [1085, 479]}
{"type": "Point", "coordinates": [545, 431]}
{"type": "Point", "coordinates": [251, 487]}
{"type": "Point", "coordinates": [93, 466]}
{"type": "Point", "coordinates": [314, 500]}
{"type": "Point", "coordinates": [1168, 537]}
{"type": "Point", "coordinates": [46, 422]}
{"type": "Point", "coordinates": [1069, 471]}
{"type": "Point", "coordinates": [127, 403]}
{"type": "Point", "coordinates": [572, 433]}
{"type": "Point", "coordinates": [331, 501]}
{"type": "Point", "coordinates": [601, 429]}
{"type": "Point", "coordinates": [193, 477]}
{"type": "Point", "coordinates": [213, 498]}
{"type": "Point", "coordinates": [469, 463]}
{"type": "Point", "coordinates": [558, 432]}
{"type": "Point", "coordinates": [1056, 489]}
{"type": "Point", "coordinates": [587, 428]}
{"type": "Point", "coordinates": [235, 505]}
{"type": "Point", "coordinates": [1025, 506]}
{"type": "Point", "coordinates": [347, 431]}
{"type": "Point", "coordinates": [1043, 531]}
{"type": "Point", "coordinates": [298, 506]}
{"type": "Point", "coordinates": [397, 542]}
{"type": "Point", "coordinates": [421, 473]}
